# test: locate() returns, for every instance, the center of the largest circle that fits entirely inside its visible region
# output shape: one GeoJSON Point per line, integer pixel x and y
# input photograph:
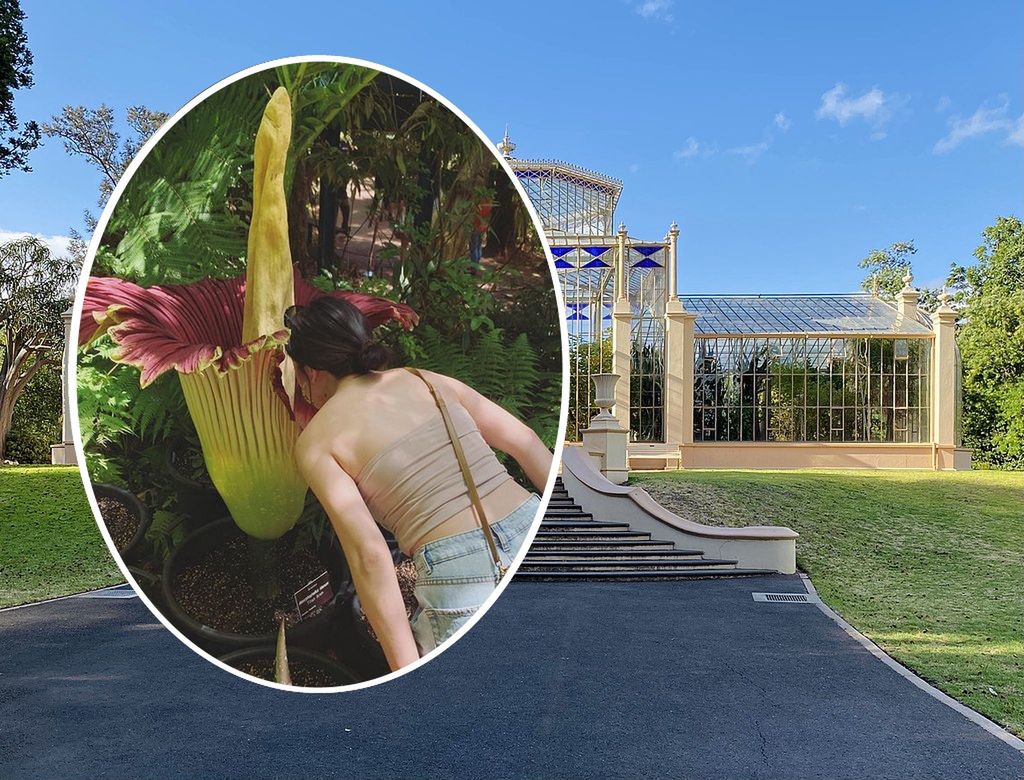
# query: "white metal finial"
{"type": "Point", "coordinates": [674, 229]}
{"type": "Point", "coordinates": [622, 228]}
{"type": "Point", "coordinates": [908, 279]}
{"type": "Point", "coordinates": [506, 147]}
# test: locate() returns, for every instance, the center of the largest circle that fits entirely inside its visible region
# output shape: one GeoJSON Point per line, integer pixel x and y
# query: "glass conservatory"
{"type": "Point", "coordinates": [739, 381]}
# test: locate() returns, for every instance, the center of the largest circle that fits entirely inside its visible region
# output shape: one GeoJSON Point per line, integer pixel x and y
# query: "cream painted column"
{"type": "Point", "coordinates": [906, 301]}
{"type": "Point", "coordinates": [679, 327]}
{"type": "Point", "coordinates": [944, 375]}
{"type": "Point", "coordinates": [64, 453]}
{"type": "Point", "coordinates": [622, 340]}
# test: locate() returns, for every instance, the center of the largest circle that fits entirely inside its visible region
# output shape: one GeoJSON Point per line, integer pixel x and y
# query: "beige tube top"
{"type": "Point", "coordinates": [415, 484]}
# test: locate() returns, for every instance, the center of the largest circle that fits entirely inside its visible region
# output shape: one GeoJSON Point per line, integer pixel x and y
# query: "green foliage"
{"type": "Point", "coordinates": [15, 74]}
{"type": "Point", "coordinates": [37, 418]}
{"type": "Point", "coordinates": [886, 269]}
{"type": "Point", "coordinates": [990, 296]}
{"type": "Point", "coordinates": [503, 371]}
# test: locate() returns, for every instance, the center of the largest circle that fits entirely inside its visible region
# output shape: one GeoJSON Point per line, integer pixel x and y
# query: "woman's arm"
{"type": "Point", "coordinates": [504, 431]}
{"type": "Point", "coordinates": [373, 570]}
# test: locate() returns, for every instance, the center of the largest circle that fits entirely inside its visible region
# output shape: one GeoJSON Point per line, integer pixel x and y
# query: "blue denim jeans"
{"type": "Point", "coordinates": [456, 574]}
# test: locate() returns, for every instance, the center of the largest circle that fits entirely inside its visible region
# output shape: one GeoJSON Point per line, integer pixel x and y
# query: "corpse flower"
{"type": "Point", "coordinates": [224, 338]}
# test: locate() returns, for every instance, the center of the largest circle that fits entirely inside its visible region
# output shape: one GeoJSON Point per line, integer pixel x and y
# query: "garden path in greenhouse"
{"type": "Point", "coordinates": [659, 679]}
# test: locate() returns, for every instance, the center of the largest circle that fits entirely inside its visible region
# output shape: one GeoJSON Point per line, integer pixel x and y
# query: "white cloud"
{"type": "Point", "coordinates": [752, 151]}
{"type": "Point", "coordinates": [782, 122]}
{"type": "Point", "coordinates": [1017, 134]}
{"type": "Point", "coordinates": [57, 245]}
{"type": "Point", "coordinates": [874, 106]}
{"type": "Point", "coordinates": [943, 105]}
{"type": "Point", "coordinates": [693, 148]}
{"type": "Point", "coordinates": [981, 122]}
{"type": "Point", "coordinates": [655, 9]}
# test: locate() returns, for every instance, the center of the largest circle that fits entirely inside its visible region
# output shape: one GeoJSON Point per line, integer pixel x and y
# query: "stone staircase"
{"type": "Point", "coordinates": [572, 545]}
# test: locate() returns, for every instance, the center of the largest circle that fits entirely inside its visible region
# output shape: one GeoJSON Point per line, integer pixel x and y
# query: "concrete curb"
{"type": "Point", "coordinates": [61, 598]}
{"type": "Point", "coordinates": [977, 718]}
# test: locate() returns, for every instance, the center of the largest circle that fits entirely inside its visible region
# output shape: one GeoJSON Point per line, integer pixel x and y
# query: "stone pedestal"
{"type": "Point", "coordinates": [606, 442]}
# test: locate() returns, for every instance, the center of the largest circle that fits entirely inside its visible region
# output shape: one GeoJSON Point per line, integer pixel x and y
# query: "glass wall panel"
{"type": "Point", "coordinates": [647, 294]}
{"type": "Point", "coordinates": [586, 272]}
{"type": "Point", "coordinates": [808, 388]}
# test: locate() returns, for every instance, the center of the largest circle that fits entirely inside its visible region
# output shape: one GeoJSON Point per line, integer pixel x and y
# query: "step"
{"type": "Point", "coordinates": [566, 513]}
{"type": "Point", "coordinates": [594, 536]}
{"type": "Point", "coordinates": [618, 576]}
{"type": "Point", "coordinates": [638, 545]}
{"type": "Point", "coordinates": [584, 524]}
{"type": "Point", "coordinates": [655, 564]}
{"type": "Point", "coordinates": [591, 553]}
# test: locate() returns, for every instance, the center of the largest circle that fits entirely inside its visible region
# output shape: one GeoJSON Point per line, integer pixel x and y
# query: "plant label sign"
{"type": "Point", "coordinates": [313, 596]}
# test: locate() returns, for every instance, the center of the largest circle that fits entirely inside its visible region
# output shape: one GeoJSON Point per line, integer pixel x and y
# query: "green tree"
{"type": "Point", "coordinates": [15, 73]}
{"type": "Point", "coordinates": [887, 270]}
{"type": "Point", "coordinates": [36, 423]}
{"type": "Point", "coordinates": [90, 133]}
{"type": "Point", "coordinates": [990, 296]}
{"type": "Point", "coordinates": [35, 289]}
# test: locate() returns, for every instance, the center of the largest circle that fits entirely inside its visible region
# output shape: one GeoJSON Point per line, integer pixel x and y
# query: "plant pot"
{"type": "Point", "coordinates": [298, 659]}
{"type": "Point", "coordinates": [354, 640]}
{"type": "Point", "coordinates": [222, 535]}
{"type": "Point", "coordinates": [199, 501]}
{"type": "Point", "coordinates": [131, 543]}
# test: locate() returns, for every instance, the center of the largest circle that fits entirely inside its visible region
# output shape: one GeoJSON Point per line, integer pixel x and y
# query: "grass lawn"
{"type": "Point", "coordinates": [49, 543]}
{"type": "Point", "coordinates": [930, 565]}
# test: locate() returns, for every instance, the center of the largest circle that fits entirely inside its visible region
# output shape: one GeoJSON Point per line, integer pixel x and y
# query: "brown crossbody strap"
{"type": "Point", "coordinates": [460, 455]}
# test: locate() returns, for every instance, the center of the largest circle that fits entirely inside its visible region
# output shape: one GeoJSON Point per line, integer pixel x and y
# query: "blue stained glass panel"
{"type": "Point", "coordinates": [563, 264]}
{"type": "Point", "coordinates": [561, 251]}
{"type": "Point", "coordinates": [597, 264]}
{"type": "Point", "coordinates": [647, 251]}
{"type": "Point", "coordinates": [647, 263]}
{"type": "Point", "coordinates": [596, 251]}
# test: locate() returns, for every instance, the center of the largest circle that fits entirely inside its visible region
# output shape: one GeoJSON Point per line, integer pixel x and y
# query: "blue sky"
{"type": "Point", "coordinates": [787, 139]}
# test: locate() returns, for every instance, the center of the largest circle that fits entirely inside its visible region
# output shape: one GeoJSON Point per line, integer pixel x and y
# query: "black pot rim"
{"type": "Point", "coordinates": [336, 668]}
{"type": "Point", "coordinates": [192, 626]}
{"type": "Point", "coordinates": [135, 506]}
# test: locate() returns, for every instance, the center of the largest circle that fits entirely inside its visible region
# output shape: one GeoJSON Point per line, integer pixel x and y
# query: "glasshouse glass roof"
{"type": "Point", "coordinates": [855, 313]}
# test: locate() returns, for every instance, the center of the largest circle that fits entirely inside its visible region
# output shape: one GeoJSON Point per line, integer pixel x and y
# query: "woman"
{"type": "Point", "coordinates": [378, 451]}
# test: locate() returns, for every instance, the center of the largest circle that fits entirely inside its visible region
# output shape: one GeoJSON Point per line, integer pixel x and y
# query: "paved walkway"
{"type": "Point", "coordinates": [661, 679]}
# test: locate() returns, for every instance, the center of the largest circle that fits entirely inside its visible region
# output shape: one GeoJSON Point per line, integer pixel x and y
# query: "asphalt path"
{"type": "Point", "coordinates": [658, 679]}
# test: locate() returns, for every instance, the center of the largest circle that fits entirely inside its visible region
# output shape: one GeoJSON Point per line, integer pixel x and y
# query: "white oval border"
{"type": "Point", "coordinates": [72, 363]}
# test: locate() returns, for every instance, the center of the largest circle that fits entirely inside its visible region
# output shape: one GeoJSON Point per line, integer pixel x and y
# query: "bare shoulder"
{"type": "Point", "coordinates": [453, 386]}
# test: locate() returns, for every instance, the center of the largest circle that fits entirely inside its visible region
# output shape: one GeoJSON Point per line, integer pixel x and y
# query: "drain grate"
{"type": "Point", "coordinates": [784, 598]}
{"type": "Point", "coordinates": [116, 592]}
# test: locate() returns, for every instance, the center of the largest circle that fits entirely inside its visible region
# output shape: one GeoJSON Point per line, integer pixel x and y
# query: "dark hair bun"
{"type": "Point", "coordinates": [330, 334]}
{"type": "Point", "coordinates": [375, 357]}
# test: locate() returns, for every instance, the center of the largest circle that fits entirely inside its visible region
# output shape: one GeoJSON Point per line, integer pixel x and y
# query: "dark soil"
{"type": "Point", "coordinates": [406, 571]}
{"type": "Point", "coordinates": [303, 675]}
{"type": "Point", "coordinates": [214, 589]}
{"type": "Point", "coordinates": [120, 522]}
